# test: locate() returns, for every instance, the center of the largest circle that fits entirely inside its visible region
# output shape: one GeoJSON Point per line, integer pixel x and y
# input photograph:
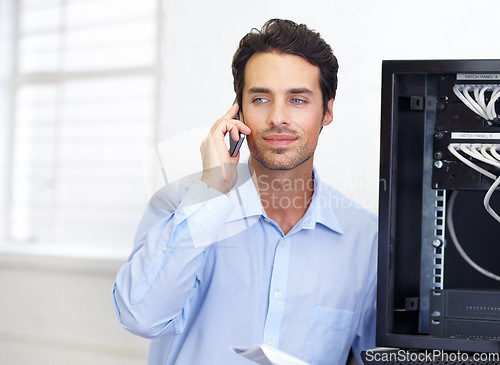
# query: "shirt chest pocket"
{"type": "Point", "coordinates": [330, 335]}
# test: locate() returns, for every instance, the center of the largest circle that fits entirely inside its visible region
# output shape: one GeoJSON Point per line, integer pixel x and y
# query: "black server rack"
{"type": "Point", "coordinates": [440, 150]}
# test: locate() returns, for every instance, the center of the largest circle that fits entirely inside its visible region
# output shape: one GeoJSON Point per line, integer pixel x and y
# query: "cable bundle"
{"type": "Point", "coordinates": [478, 104]}
{"type": "Point", "coordinates": [486, 153]}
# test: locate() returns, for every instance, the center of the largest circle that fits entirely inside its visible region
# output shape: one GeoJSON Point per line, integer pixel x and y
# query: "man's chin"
{"type": "Point", "coordinates": [279, 161]}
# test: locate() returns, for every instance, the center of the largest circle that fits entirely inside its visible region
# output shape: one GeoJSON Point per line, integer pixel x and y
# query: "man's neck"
{"type": "Point", "coordinates": [285, 194]}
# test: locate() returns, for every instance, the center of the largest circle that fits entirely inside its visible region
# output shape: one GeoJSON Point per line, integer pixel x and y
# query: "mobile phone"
{"type": "Point", "coordinates": [234, 146]}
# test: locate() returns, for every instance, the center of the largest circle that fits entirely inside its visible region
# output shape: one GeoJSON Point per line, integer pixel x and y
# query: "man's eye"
{"type": "Point", "coordinates": [298, 101]}
{"type": "Point", "coordinates": [259, 100]}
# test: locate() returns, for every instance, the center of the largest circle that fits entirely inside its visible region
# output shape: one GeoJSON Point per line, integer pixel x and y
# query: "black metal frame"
{"type": "Point", "coordinates": [388, 201]}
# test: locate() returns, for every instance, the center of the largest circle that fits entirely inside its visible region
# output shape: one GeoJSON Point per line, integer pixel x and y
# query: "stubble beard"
{"type": "Point", "coordinates": [282, 158]}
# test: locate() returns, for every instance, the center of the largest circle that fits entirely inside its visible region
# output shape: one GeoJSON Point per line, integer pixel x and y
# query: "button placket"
{"type": "Point", "coordinates": [277, 293]}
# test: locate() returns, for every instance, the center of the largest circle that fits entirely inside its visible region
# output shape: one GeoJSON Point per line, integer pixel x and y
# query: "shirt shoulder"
{"type": "Point", "coordinates": [169, 197]}
{"type": "Point", "coordinates": [348, 212]}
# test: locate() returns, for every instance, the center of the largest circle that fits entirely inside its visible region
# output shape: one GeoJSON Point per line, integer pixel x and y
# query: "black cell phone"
{"type": "Point", "coordinates": [234, 146]}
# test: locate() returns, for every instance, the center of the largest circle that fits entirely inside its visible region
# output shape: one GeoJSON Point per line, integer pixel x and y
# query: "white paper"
{"type": "Point", "coordinates": [267, 355]}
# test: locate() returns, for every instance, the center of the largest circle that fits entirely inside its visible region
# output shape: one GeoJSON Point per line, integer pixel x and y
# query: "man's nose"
{"type": "Point", "coordinates": [278, 113]}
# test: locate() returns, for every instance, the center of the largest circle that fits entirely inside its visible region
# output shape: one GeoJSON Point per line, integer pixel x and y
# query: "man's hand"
{"type": "Point", "coordinates": [219, 168]}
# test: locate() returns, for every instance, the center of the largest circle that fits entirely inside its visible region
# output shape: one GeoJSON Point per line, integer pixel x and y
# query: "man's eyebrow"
{"type": "Point", "coordinates": [258, 90]}
{"type": "Point", "coordinates": [300, 91]}
{"type": "Point", "coordinates": [263, 90]}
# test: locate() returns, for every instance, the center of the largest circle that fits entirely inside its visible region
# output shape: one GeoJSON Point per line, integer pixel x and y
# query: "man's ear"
{"type": "Point", "coordinates": [328, 117]}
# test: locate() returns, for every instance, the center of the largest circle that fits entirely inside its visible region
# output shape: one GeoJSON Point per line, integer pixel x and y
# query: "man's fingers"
{"type": "Point", "coordinates": [219, 167]}
{"type": "Point", "coordinates": [232, 112]}
{"type": "Point", "coordinates": [243, 128]}
{"type": "Point", "coordinates": [235, 134]}
{"type": "Point", "coordinates": [232, 126]}
{"type": "Point", "coordinates": [230, 117]}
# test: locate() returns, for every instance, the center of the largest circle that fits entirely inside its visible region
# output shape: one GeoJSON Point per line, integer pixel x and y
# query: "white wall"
{"type": "Point", "coordinates": [202, 36]}
{"type": "Point", "coordinates": [58, 310]}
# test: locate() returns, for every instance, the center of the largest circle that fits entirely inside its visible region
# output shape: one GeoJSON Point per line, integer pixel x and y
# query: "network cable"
{"type": "Point", "coordinates": [453, 235]}
{"type": "Point", "coordinates": [452, 148]}
{"type": "Point", "coordinates": [478, 103]}
{"type": "Point", "coordinates": [493, 159]}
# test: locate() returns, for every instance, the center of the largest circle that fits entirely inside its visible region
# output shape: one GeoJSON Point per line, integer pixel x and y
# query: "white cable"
{"type": "Point", "coordinates": [453, 235]}
{"type": "Point", "coordinates": [480, 96]}
{"type": "Point", "coordinates": [483, 156]}
{"type": "Point", "coordinates": [462, 97]}
{"type": "Point", "coordinates": [487, 198]}
{"type": "Point", "coordinates": [476, 95]}
{"type": "Point", "coordinates": [479, 106]}
{"type": "Point", "coordinates": [476, 106]}
{"type": "Point", "coordinates": [481, 101]}
{"type": "Point", "coordinates": [490, 105]}
{"type": "Point", "coordinates": [477, 98]}
{"type": "Point", "coordinates": [472, 102]}
{"type": "Point", "coordinates": [474, 153]}
{"type": "Point", "coordinates": [484, 152]}
{"type": "Point", "coordinates": [454, 152]}
{"type": "Point", "coordinates": [494, 152]}
{"type": "Point", "coordinates": [490, 108]}
{"type": "Point", "coordinates": [471, 150]}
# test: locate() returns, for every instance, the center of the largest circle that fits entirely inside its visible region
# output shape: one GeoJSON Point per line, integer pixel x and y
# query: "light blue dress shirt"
{"type": "Point", "coordinates": [209, 271]}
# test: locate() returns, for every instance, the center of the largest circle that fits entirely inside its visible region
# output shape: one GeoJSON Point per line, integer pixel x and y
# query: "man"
{"type": "Point", "coordinates": [264, 252]}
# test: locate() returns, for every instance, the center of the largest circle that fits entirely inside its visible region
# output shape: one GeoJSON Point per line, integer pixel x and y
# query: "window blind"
{"type": "Point", "coordinates": [85, 111]}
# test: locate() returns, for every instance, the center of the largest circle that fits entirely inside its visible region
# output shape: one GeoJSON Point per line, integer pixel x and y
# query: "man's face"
{"type": "Point", "coordinates": [283, 106]}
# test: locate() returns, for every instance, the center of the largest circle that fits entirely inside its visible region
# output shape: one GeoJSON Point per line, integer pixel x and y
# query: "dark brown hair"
{"type": "Point", "coordinates": [287, 37]}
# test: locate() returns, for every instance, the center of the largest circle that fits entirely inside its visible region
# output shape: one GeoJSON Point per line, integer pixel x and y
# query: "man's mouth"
{"type": "Point", "coordinates": [279, 139]}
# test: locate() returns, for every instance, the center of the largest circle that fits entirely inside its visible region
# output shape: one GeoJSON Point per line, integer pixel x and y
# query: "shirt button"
{"type": "Point", "coordinates": [164, 248]}
{"type": "Point", "coordinates": [267, 220]}
{"type": "Point", "coordinates": [277, 294]}
{"type": "Point", "coordinates": [196, 200]}
{"type": "Point", "coordinates": [271, 343]}
{"type": "Point", "coordinates": [283, 242]}
{"type": "Point", "coordinates": [208, 206]}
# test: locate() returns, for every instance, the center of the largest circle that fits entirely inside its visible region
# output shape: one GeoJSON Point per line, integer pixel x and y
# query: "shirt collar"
{"type": "Point", "coordinates": [247, 202]}
{"type": "Point", "coordinates": [321, 210]}
{"type": "Point", "coordinates": [245, 196]}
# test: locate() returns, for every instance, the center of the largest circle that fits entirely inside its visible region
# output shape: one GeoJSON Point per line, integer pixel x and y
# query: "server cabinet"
{"type": "Point", "coordinates": [439, 238]}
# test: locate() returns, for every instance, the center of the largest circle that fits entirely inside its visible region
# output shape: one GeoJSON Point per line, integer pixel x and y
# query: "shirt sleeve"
{"type": "Point", "coordinates": [153, 289]}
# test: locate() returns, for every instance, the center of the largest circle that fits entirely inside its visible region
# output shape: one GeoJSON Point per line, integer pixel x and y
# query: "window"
{"type": "Point", "coordinates": [86, 88]}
